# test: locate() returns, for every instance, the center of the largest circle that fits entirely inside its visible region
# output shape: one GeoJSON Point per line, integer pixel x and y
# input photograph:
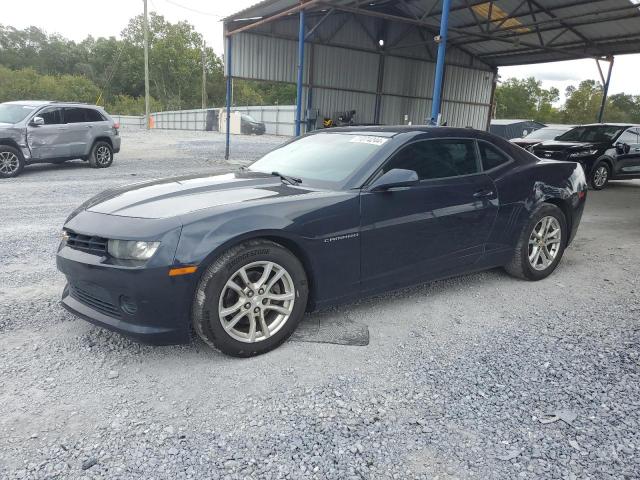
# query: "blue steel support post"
{"type": "Point", "coordinates": [442, 47]}
{"type": "Point", "coordinates": [300, 74]}
{"type": "Point", "coordinates": [229, 88]}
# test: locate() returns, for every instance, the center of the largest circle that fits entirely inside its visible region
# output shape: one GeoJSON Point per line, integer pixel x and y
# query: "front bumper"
{"type": "Point", "coordinates": [140, 301]}
{"type": "Point", "coordinates": [144, 304]}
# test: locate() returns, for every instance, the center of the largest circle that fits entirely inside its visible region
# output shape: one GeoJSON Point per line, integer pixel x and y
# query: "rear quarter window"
{"type": "Point", "coordinates": [491, 157]}
{"type": "Point", "coordinates": [93, 115]}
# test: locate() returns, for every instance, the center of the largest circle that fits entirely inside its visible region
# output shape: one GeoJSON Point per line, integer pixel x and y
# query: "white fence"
{"type": "Point", "coordinates": [278, 119]}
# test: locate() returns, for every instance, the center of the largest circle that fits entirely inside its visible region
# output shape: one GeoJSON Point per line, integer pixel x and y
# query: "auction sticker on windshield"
{"type": "Point", "coordinates": [369, 140]}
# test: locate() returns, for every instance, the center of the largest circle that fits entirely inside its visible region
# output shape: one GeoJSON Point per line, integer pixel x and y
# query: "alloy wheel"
{"type": "Point", "coordinates": [256, 301]}
{"type": "Point", "coordinates": [600, 176]}
{"type": "Point", "coordinates": [544, 243]}
{"type": "Point", "coordinates": [103, 155]}
{"type": "Point", "coordinates": [9, 163]}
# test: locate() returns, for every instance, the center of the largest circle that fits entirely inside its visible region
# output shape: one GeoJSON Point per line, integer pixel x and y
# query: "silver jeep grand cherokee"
{"type": "Point", "coordinates": [53, 132]}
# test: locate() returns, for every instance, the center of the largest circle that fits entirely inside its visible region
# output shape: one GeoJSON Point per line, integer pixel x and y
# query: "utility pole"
{"type": "Point", "coordinates": [204, 76]}
{"type": "Point", "coordinates": [146, 65]}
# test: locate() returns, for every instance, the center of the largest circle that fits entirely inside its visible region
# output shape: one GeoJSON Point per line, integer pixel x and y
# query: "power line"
{"type": "Point", "coordinates": [175, 4]}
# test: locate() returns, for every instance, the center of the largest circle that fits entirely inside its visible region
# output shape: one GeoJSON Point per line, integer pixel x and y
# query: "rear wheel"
{"type": "Point", "coordinates": [251, 299]}
{"type": "Point", "coordinates": [600, 176]}
{"type": "Point", "coordinates": [541, 244]}
{"type": "Point", "coordinates": [101, 155]}
{"type": "Point", "coordinates": [11, 162]}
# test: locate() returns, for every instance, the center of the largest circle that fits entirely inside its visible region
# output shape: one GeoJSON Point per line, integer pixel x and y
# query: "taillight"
{"type": "Point", "coordinates": [582, 194]}
{"type": "Point", "coordinates": [116, 125]}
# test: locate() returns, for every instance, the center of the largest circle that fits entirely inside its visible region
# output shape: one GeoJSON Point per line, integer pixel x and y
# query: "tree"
{"type": "Point", "coordinates": [526, 99]}
{"type": "Point", "coordinates": [583, 103]}
{"type": "Point", "coordinates": [115, 67]}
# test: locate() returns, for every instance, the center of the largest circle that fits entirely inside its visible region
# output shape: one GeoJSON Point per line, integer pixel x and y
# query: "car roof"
{"type": "Point", "coordinates": [611, 125]}
{"type": "Point", "coordinates": [393, 130]}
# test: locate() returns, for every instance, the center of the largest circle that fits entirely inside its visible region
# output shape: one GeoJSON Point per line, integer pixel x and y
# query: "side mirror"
{"type": "Point", "coordinates": [398, 177]}
{"type": "Point", "coordinates": [622, 148]}
{"type": "Point", "coordinates": [37, 121]}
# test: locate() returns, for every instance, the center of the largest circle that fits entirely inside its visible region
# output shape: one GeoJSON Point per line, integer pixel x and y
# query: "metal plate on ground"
{"type": "Point", "coordinates": [331, 327]}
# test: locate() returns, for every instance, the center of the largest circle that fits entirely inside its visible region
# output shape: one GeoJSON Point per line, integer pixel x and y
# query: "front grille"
{"type": "Point", "coordinates": [550, 154]}
{"type": "Point", "coordinates": [87, 243]}
{"type": "Point", "coordinates": [98, 300]}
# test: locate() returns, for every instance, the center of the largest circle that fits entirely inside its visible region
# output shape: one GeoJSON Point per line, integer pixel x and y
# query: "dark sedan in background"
{"type": "Point", "coordinates": [609, 151]}
{"type": "Point", "coordinates": [550, 132]}
{"type": "Point", "coordinates": [249, 125]}
{"type": "Point", "coordinates": [324, 219]}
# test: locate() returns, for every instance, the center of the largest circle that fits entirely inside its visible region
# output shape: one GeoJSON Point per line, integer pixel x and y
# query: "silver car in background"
{"type": "Point", "coordinates": [54, 132]}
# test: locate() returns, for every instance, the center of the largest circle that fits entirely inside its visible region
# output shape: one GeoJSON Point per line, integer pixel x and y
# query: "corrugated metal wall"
{"type": "Point", "coordinates": [342, 61]}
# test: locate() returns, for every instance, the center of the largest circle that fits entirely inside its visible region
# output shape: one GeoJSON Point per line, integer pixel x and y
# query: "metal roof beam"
{"type": "Point", "coordinates": [276, 16]}
{"type": "Point", "coordinates": [536, 11]}
{"type": "Point", "coordinates": [572, 48]}
{"type": "Point", "coordinates": [563, 23]}
{"type": "Point", "coordinates": [564, 29]}
{"type": "Point", "coordinates": [430, 28]}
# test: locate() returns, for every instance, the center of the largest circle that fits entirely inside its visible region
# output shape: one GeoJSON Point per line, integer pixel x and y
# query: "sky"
{"type": "Point", "coordinates": [76, 19]}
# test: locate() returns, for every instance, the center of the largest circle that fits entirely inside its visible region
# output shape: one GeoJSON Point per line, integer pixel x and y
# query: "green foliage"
{"type": "Point", "coordinates": [27, 84]}
{"type": "Point", "coordinates": [583, 103]}
{"type": "Point", "coordinates": [527, 99]}
{"type": "Point", "coordinates": [110, 71]}
{"type": "Point", "coordinates": [126, 105]}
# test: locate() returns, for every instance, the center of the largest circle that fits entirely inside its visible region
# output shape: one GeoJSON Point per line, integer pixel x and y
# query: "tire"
{"type": "Point", "coordinates": [522, 265]}
{"type": "Point", "coordinates": [214, 295]}
{"type": "Point", "coordinates": [11, 162]}
{"type": "Point", "coordinates": [600, 176]}
{"type": "Point", "coordinates": [101, 155]}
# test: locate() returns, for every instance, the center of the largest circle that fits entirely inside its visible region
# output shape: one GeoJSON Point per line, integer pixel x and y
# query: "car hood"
{"type": "Point", "coordinates": [556, 146]}
{"type": "Point", "coordinates": [525, 141]}
{"type": "Point", "coordinates": [173, 197]}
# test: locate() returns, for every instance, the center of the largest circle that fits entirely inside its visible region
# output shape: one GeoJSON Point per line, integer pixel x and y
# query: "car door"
{"type": "Point", "coordinates": [79, 130]}
{"type": "Point", "coordinates": [433, 228]}
{"type": "Point", "coordinates": [48, 141]}
{"type": "Point", "coordinates": [628, 163]}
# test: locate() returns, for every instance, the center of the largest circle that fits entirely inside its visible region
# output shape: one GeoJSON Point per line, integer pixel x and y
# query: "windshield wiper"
{"type": "Point", "coordinates": [286, 178]}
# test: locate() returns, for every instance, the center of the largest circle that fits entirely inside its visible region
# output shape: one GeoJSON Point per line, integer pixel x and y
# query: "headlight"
{"type": "Point", "coordinates": [132, 249]}
{"type": "Point", "coordinates": [583, 153]}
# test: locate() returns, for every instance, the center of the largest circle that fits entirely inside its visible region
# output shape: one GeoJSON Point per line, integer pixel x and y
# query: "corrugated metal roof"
{"type": "Point", "coordinates": [499, 32]}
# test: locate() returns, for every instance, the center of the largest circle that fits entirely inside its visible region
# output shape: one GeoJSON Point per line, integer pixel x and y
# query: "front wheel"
{"type": "Point", "coordinates": [541, 244]}
{"type": "Point", "coordinates": [101, 155]}
{"type": "Point", "coordinates": [11, 162]}
{"type": "Point", "coordinates": [251, 299]}
{"type": "Point", "coordinates": [600, 176]}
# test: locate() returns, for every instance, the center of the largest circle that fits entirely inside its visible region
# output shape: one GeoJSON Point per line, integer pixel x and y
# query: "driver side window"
{"type": "Point", "coordinates": [432, 159]}
{"type": "Point", "coordinates": [51, 116]}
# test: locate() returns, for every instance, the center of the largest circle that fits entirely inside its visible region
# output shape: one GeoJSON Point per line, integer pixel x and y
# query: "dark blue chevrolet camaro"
{"type": "Point", "coordinates": [323, 219]}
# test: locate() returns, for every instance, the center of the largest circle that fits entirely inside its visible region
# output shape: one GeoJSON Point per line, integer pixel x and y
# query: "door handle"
{"type": "Point", "coordinates": [483, 193]}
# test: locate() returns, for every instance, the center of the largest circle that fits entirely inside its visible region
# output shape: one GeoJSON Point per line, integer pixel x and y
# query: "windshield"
{"type": "Point", "coordinates": [594, 133]}
{"type": "Point", "coordinates": [249, 118]}
{"type": "Point", "coordinates": [545, 134]}
{"type": "Point", "coordinates": [13, 113]}
{"type": "Point", "coordinates": [327, 159]}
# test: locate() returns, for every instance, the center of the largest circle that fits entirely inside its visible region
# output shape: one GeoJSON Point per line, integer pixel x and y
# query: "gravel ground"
{"type": "Point", "coordinates": [459, 379]}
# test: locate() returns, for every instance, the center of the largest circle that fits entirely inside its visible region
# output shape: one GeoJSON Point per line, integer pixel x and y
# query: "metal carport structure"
{"type": "Point", "coordinates": [386, 58]}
